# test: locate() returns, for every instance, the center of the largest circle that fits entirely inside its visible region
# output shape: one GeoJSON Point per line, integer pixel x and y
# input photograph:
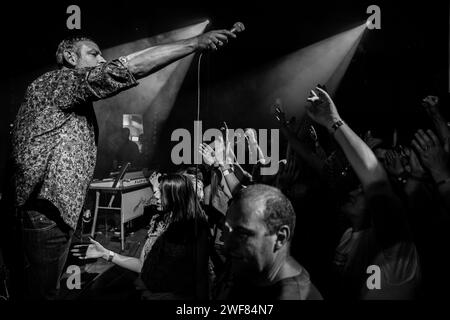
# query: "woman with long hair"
{"type": "Point", "coordinates": [173, 265]}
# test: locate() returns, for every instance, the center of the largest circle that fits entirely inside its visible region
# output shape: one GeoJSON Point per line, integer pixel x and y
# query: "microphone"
{"type": "Point", "coordinates": [237, 27]}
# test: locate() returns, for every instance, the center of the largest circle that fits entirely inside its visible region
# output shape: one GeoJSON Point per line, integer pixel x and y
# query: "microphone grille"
{"type": "Point", "coordinates": [238, 27]}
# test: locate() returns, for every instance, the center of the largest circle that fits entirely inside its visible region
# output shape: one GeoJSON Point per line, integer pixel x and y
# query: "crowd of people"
{"type": "Point", "coordinates": [352, 219]}
{"type": "Point", "coordinates": [360, 221]}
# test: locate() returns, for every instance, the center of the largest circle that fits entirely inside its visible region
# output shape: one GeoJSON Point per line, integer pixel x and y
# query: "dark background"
{"type": "Point", "coordinates": [392, 70]}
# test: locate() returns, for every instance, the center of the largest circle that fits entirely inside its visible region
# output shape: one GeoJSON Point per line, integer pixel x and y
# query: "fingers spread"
{"type": "Point", "coordinates": [420, 140]}
{"type": "Point", "coordinates": [426, 138]}
{"type": "Point", "coordinates": [322, 93]}
{"type": "Point", "coordinates": [433, 137]}
{"type": "Point", "coordinates": [417, 146]}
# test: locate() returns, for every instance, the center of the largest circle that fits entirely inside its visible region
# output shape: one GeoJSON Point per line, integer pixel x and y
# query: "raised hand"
{"type": "Point", "coordinates": [322, 108]}
{"type": "Point", "coordinates": [220, 151]}
{"type": "Point", "coordinates": [288, 174]}
{"type": "Point", "coordinates": [415, 168]}
{"type": "Point", "coordinates": [215, 39]}
{"type": "Point", "coordinates": [250, 135]}
{"type": "Point", "coordinates": [431, 104]}
{"type": "Point", "coordinates": [433, 155]}
{"type": "Point", "coordinates": [207, 153]}
{"type": "Point", "coordinates": [154, 179]}
{"type": "Point", "coordinates": [280, 115]}
{"type": "Point", "coordinates": [393, 163]}
{"type": "Point", "coordinates": [229, 154]}
{"type": "Point", "coordinates": [94, 250]}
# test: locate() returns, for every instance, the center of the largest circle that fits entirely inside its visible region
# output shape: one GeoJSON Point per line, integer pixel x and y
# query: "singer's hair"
{"type": "Point", "coordinates": [69, 44]}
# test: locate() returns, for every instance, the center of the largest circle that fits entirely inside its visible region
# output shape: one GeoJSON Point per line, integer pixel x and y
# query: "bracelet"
{"type": "Point", "coordinates": [110, 256]}
{"type": "Point", "coordinates": [442, 182]}
{"type": "Point", "coordinates": [227, 172]}
{"type": "Point", "coordinates": [337, 125]}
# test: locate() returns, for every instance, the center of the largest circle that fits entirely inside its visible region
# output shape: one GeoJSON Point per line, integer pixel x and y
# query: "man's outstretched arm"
{"type": "Point", "coordinates": [147, 61]}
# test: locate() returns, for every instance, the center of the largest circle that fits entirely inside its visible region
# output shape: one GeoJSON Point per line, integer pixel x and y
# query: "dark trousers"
{"type": "Point", "coordinates": [46, 244]}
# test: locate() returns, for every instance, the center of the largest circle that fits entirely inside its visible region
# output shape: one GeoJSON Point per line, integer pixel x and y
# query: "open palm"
{"type": "Point", "coordinates": [94, 250]}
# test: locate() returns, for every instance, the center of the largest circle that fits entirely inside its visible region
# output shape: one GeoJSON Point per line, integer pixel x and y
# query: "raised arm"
{"type": "Point", "coordinates": [218, 157]}
{"type": "Point", "coordinates": [147, 61]}
{"type": "Point", "coordinates": [431, 105]}
{"type": "Point", "coordinates": [435, 157]}
{"type": "Point", "coordinates": [296, 145]}
{"type": "Point", "coordinates": [362, 159]}
{"type": "Point", "coordinates": [255, 152]}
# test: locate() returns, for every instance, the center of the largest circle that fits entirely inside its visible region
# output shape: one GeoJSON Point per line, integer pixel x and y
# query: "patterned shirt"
{"type": "Point", "coordinates": [55, 134]}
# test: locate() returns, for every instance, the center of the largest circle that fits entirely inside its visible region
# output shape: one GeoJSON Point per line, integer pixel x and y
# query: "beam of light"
{"type": "Point", "coordinates": [153, 98]}
{"type": "Point", "coordinates": [324, 62]}
{"type": "Point", "coordinates": [333, 82]}
{"type": "Point", "coordinates": [289, 78]}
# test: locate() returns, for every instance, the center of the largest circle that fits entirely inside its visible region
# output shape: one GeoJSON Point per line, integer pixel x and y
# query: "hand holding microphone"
{"type": "Point", "coordinates": [217, 38]}
{"type": "Point", "coordinates": [237, 27]}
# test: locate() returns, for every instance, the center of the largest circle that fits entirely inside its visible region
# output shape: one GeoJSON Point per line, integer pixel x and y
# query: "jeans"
{"type": "Point", "coordinates": [46, 246]}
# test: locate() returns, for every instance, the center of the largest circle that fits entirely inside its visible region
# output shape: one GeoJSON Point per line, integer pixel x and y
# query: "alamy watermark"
{"type": "Point", "coordinates": [374, 21]}
{"type": "Point", "coordinates": [374, 280]}
{"type": "Point", "coordinates": [74, 20]}
{"type": "Point", "coordinates": [74, 279]}
{"type": "Point", "coordinates": [186, 147]}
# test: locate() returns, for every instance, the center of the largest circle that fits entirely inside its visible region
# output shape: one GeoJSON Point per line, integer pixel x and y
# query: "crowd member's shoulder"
{"type": "Point", "coordinates": [298, 287]}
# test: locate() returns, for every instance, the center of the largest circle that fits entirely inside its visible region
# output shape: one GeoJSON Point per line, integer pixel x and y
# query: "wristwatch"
{"type": "Point", "coordinates": [227, 171]}
{"type": "Point", "coordinates": [110, 256]}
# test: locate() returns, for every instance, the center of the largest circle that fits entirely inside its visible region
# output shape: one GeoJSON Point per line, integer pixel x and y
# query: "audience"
{"type": "Point", "coordinates": [366, 219]}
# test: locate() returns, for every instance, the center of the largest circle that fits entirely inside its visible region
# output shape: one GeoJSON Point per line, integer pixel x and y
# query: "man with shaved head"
{"type": "Point", "coordinates": [258, 231]}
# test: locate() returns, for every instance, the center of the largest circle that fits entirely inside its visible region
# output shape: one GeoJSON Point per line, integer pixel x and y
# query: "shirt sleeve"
{"type": "Point", "coordinates": [71, 87]}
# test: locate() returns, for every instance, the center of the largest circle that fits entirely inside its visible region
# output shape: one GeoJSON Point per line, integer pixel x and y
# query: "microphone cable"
{"type": "Point", "coordinates": [196, 202]}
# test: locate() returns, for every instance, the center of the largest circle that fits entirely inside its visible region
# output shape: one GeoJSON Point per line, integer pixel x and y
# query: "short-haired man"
{"type": "Point", "coordinates": [55, 143]}
{"type": "Point", "coordinates": [258, 232]}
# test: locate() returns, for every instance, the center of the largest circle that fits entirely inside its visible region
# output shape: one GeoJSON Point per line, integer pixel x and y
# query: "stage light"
{"type": "Point", "coordinates": [324, 62]}
{"type": "Point", "coordinates": [291, 77]}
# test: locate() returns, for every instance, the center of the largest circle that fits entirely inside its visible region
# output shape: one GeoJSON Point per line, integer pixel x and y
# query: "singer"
{"type": "Point", "coordinates": [55, 143]}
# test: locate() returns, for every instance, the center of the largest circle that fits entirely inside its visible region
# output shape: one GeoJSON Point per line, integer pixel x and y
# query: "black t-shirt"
{"type": "Point", "coordinates": [299, 287]}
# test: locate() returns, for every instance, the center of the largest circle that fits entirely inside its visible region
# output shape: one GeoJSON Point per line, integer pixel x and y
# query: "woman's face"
{"type": "Point", "coordinates": [200, 192]}
{"type": "Point", "coordinates": [157, 196]}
